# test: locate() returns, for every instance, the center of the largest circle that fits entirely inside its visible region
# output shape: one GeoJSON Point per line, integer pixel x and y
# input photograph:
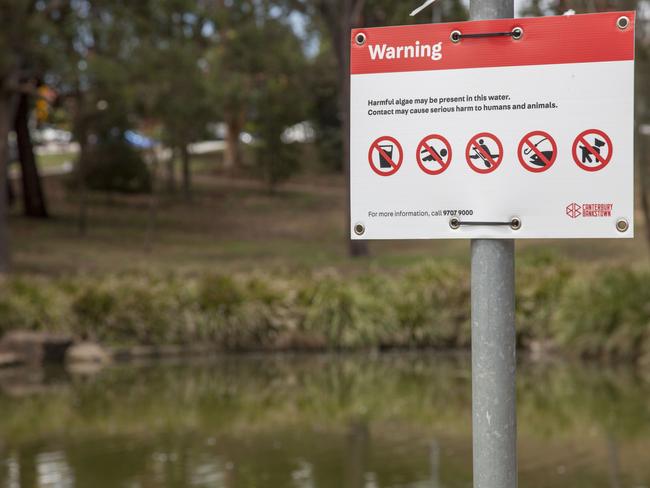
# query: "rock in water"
{"type": "Point", "coordinates": [33, 347]}
{"type": "Point", "coordinates": [87, 352]}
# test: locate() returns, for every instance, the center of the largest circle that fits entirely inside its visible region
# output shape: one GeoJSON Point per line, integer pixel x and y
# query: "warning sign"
{"type": "Point", "coordinates": [592, 150]}
{"type": "Point", "coordinates": [484, 152]}
{"type": "Point", "coordinates": [537, 151]}
{"type": "Point", "coordinates": [433, 154]}
{"type": "Point", "coordinates": [385, 156]}
{"type": "Point", "coordinates": [534, 124]}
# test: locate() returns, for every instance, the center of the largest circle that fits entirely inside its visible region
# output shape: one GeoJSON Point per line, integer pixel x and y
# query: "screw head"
{"type": "Point", "coordinates": [517, 33]}
{"type": "Point", "coordinates": [359, 229]}
{"type": "Point", "coordinates": [622, 225]}
{"type": "Point", "coordinates": [455, 36]}
{"type": "Point", "coordinates": [454, 223]}
{"type": "Point", "coordinates": [515, 223]}
{"type": "Point", "coordinates": [360, 39]}
{"type": "Point", "coordinates": [623, 22]}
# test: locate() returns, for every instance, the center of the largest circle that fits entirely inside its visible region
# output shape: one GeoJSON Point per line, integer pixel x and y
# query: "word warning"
{"type": "Point", "coordinates": [452, 134]}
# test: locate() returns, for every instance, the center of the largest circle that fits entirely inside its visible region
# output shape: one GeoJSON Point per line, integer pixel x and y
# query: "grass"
{"type": "Point", "coordinates": [599, 313]}
{"type": "Point", "coordinates": [235, 224]}
{"type": "Point", "coordinates": [48, 161]}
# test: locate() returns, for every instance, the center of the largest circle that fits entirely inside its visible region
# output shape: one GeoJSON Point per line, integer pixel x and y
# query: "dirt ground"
{"type": "Point", "coordinates": [235, 224]}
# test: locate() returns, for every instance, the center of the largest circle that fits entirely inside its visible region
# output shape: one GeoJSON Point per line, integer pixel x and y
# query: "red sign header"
{"type": "Point", "coordinates": [567, 39]}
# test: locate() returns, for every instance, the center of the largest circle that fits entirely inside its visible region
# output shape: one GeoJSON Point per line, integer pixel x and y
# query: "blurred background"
{"type": "Point", "coordinates": [180, 304]}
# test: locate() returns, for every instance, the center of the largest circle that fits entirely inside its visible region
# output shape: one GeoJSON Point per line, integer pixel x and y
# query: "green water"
{"type": "Point", "coordinates": [397, 420]}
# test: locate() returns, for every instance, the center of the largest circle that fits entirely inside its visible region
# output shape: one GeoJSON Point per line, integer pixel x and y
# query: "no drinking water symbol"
{"type": "Point", "coordinates": [484, 152]}
{"type": "Point", "coordinates": [592, 150]}
{"type": "Point", "coordinates": [433, 154]}
{"type": "Point", "coordinates": [385, 156]}
{"type": "Point", "coordinates": [537, 151]}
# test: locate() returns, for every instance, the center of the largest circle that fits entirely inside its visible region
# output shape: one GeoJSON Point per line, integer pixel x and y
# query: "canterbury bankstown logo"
{"type": "Point", "coordinates": [587, 210]}
{"type": "Point", "coordinates": [574, 210]}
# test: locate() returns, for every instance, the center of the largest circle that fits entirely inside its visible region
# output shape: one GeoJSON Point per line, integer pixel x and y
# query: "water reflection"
{"type": "Point", "coordinates": [399, 420]}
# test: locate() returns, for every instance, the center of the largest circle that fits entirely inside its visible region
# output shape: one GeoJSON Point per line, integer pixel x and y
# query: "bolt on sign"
{"type": "Point", "coordinates": [460, 129]}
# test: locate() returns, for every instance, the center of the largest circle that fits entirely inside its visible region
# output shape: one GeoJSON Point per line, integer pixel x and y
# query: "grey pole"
{"type": "Point", "coordinates": [494, 412]}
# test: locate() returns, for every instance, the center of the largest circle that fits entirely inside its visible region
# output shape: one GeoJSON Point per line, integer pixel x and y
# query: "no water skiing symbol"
{"type": "Point", "coordinates": [484, 152]}
{"type": "Point", "coordinates": [433, 154]}
{"type": "Point", "coordinates": [592, 150]}
{"type": "Point", "coordinates": [537, 151]}
{"type": "Point", "coordinates": [385, 156]}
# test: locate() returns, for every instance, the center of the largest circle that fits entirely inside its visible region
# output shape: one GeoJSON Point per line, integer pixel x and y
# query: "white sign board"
{"type": "Point", "coordinates": [455, 139]}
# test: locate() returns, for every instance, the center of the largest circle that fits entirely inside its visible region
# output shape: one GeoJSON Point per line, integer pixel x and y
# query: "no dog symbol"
{"type": "Point", "coordinates": [592, 150]}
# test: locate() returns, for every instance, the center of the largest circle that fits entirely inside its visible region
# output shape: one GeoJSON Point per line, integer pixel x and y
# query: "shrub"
{"type": "Point", "coordinates": [606, 312]}
{"type": "Point", "coordinates": [112, 165]}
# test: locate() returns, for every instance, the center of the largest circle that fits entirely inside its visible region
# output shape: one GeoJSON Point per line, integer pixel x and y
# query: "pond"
{"type": "Point", "coordinates": [350, 421]}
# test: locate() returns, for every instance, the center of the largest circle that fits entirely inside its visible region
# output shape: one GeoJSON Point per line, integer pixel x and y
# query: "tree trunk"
{"type": "Point", "coordinates": [82, 217]}
{"type": "Point", "coordinates": [153, 202]}
{"type": "Point", "coordinates": [5, 117]}
{"type": "Point", "coordinates": [644, 167]}
{"type": "Point", "coordinates": [11, 194]}
{"type": "Point", "coordinates": [170, 176]}
{"type": "Point", "coordinates": [82, 161]}
{"type": "Point", "coordinates": [187, 175]}
{"type": "Point", "coordinates": [342, 44]}
{"type": "Point", "coordinates": [232, 156]}
{"type": "Point", "coordinates": [33, 197]}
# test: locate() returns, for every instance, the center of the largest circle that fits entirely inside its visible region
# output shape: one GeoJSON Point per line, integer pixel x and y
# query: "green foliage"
{"type": "Point", "coordinates": [32, 304]}
{"type": "Point", "coordinates": [541, 281]}
{"type": "Point", "coordinates": [599, 312]}
{"type": "Point", "coordinates": [607, 313]}
{"type": "Point", "coordinates": [432, 304]}
{"type": "Point", "coordinates": [114, 166]}
{"type": "Point", "coordinates": [324, 109]}
{"type": "Point", "coordinates": [220, 294]}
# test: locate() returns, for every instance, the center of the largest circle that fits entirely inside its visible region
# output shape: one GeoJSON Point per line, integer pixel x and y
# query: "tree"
{"type": "Point", "coordinates": [335, 19]}
{"type": "Point", "coordinates": [24, 31]}
{"type": "Point", "coordinates": [234, 62]}
{"type": "Point", "coordinates": [170, 77]}
{"type": "Point", "coordinates": [33, 196]}
{"type": "Point", "coordinates": [277, 101]}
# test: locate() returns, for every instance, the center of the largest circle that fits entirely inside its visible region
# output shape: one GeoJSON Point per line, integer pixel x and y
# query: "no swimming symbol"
{"type": "Point", "coordinates": [433, 154]}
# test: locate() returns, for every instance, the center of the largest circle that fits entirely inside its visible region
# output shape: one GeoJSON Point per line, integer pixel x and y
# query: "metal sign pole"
{"type": "Point", "coordinates": [494, 411]}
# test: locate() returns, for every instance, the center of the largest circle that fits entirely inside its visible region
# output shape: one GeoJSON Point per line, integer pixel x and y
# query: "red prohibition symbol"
{"type": "Point", "coordinates": [433, 154]}
{"type": "Point", "coordinates": [592, 150]}
{"type": "Point", "coordinates": [484, 153]}
{"type": "Point", "coordinates": [537, 151]}
{"type": "Point", "coordinates": [385, 156]}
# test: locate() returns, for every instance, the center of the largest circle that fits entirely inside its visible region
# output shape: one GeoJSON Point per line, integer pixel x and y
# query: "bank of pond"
{"type": "Point", "coordinates": [562, 308]}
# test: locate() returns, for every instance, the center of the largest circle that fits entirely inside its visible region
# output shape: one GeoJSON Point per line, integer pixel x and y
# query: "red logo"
{"type": "Point", "coordinates": [587, 210]}
{"type": "Point", "coordinates": [574, 210]}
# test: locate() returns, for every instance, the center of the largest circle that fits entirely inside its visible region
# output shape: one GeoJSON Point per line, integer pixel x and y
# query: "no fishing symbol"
{"type": "Point", "coordinates": [385, 156]}
{"type": "Point", "coordinates": [537, 151]}
{"type": "Point", "coordinates": [433, 154]}
{"type": "Point", "coordinates": [484, 152]}
{"type": "Point", "coordinates": [592, 150]}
